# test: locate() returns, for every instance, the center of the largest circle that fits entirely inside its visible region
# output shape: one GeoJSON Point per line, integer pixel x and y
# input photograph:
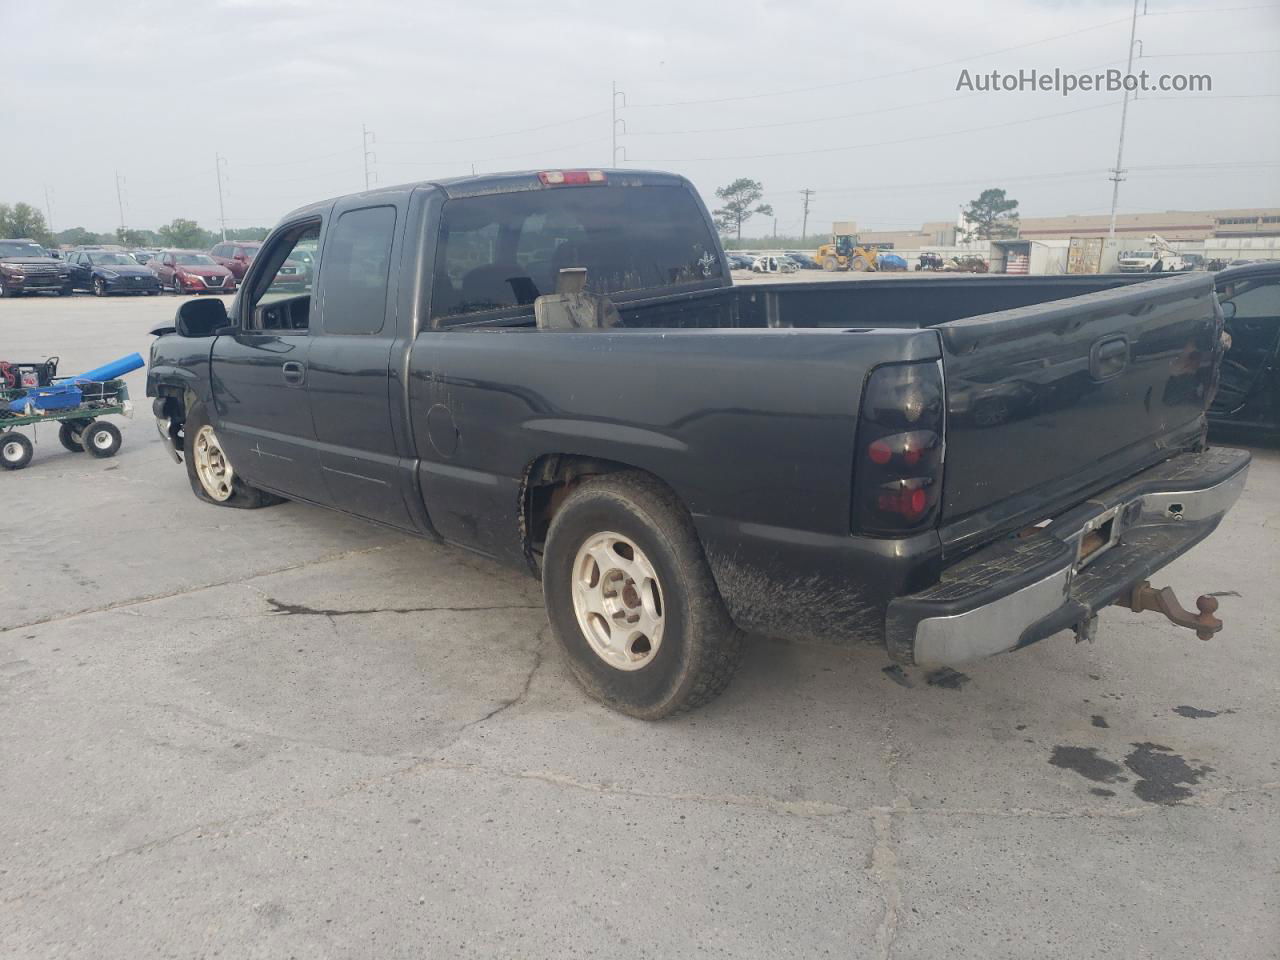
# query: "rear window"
{"type": "Point", "coordinates": [501, 252]}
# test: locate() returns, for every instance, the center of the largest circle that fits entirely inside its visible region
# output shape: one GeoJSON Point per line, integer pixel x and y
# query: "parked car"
{"type": "Point", "coordinates": [740, 261]}
{"type": "Point", "coordinates": [26, 267]}
{"type": "Point", "coordinates": [1247, 404]}
{"type": "Point", "coordinates": [105, 272]}
{"type": "Point", "coordinates": [681, 460]}
{"type": "Point", "coordinates": [890, 262]}
{"type": "Point", "coordinates": [236, 257]}
{"type": "Point", "coordinates": [189, 271]}
{"type": "Point", "coordinates": [773, 264]}
{"type": "Point", "coordinates": [142, 256]}
{"type": "Point", "coordinates": [803, 260]}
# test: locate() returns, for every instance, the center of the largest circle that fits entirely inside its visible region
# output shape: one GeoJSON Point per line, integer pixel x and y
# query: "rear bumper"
{"type": "Point", "coordinates": [1024, 589]}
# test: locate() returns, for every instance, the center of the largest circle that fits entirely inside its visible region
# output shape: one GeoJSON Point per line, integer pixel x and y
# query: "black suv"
{"type": "Point", "coordinates": [25, 266]}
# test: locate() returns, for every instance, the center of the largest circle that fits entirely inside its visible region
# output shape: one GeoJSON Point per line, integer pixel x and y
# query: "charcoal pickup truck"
{"type": "Point", "coordinates": [555, 370]}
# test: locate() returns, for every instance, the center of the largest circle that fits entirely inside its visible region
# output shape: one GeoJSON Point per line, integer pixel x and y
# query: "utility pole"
{"type": "Point", "coordinates": [218, 161]}
{"type": "Point", "coordinates": [366, 138]}
{"type": "Point", "coordinates": [48, 211]}
{"type": "Point", "coordinates": [804, 230]}
{"type": "Point", "coordinates": [613, 127]}
{"type": "Point", "coordinates": [120, 199]}
{"type": "Point", "coordinates": [1118, 171]}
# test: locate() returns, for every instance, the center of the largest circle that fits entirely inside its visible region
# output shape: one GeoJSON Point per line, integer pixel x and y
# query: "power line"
{"type": "Point", "coordinates": [218, 161]}
{"type": "Point", "coordinates": [495, 136]}
{"type": "Point", "coordinates": [883, 76]}
{"type": "Point", "coordinates": [509, 156]}
{"type": "Point", "coordinates": [366, 138]}
{"type": "Point", "coordinates": [1117, 171]}
{"type": "Point", "coordinates": [806, 193]}
{"type": "Point", "coordinates": [613, 127]}
{"type": "Point", "coordinates": [883, 143]}
{"type": "Point", "coordinates": [120, 198]}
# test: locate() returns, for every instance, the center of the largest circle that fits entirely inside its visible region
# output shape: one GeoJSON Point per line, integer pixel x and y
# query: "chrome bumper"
{"type": "Point", "coordinates": [1025, 589]}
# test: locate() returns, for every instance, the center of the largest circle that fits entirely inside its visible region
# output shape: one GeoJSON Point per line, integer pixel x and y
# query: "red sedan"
{"type": "Point", "coordinates": [186, 271]}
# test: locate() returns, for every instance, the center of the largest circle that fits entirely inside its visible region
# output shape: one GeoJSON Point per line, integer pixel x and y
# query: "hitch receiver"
{"type": "Point", "coordinates": [1146, 597]}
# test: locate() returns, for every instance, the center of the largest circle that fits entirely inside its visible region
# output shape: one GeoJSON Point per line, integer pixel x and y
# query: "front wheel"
{"type": "Point", "coordinates": [15, 451]}
{"type": "Point", "coordinates": [831, 264]}
{"type": "Point", "coordinates": [65, 291]}
{"type": "Point", "coordinates": [209, 470]}
{"type": "Point", "coordinates": [632, 601]}
{"type": "Point", "coordinates": [99, 287]}
{"type": "Point", "coordinates": [860, 264]}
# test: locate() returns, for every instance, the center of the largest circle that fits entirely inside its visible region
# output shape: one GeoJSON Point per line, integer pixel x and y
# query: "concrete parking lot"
{"type": "Point", "coordinates": [287, 733]}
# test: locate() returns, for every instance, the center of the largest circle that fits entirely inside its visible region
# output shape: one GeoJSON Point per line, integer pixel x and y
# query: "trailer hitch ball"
{"type": "Point", "coordinates": [1145, 597]}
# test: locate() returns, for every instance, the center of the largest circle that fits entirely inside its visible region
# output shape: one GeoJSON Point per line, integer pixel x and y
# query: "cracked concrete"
{"type": "Point", "coordinates": [288, 733]}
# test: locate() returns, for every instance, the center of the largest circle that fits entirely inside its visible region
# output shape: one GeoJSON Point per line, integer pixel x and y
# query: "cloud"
{"type": "Point", "coordinates": [281, 89]}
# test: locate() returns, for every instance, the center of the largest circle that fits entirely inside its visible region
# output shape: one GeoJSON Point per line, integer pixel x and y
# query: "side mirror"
{"type": "Point", "coordinates": [1229, 309]}
{"type": "Point", "coordinates": [201, 318]}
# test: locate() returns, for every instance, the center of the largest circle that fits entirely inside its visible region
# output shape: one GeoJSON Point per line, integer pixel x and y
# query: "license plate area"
{"type": "Point", "coordinates": [1098, 536]}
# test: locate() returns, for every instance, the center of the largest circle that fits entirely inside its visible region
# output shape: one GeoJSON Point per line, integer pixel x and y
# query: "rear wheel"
{"type": "Point", "coordinates": [101, 439]}
{"type": "Point", "coordinates": [15, 451]}
{"type": "Point", "coordinates": [209, 470]}
{"type": "Point", "coordinates": [69, 433]}
{"type": "Point", "coordinates": [632, 600]}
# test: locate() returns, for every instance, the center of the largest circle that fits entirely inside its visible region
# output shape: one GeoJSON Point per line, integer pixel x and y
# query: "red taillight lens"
{"type": "Point", "coordinates": [558, 178]}
{"type": "Point", "coordinates": [898, 468]}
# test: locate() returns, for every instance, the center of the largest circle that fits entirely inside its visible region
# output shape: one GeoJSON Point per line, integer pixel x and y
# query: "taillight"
{"type": "Point", "coordinates": [557, 178]}
{"type": "Point", "coordinates": [897, 469]}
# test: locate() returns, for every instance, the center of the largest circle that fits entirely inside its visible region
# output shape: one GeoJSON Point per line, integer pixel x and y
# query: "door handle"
{"type": "Point", "coordinates": [293, 372]}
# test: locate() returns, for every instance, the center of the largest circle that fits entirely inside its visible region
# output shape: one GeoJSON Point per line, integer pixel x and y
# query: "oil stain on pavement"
{"type": "Point", "coordinates": [1164, 777]}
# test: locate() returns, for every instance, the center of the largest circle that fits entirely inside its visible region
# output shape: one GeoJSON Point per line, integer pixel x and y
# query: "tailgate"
{"type": "Point", "coordinates": [1052, 402]}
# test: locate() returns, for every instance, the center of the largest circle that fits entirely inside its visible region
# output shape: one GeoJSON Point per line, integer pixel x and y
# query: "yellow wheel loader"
{"type": "Point", "coordinates": [845, 253]}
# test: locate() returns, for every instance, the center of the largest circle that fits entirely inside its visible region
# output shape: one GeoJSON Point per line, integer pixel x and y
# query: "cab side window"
{"type": "Point", "coordinates": [357, 261]}
{"type": "Point", "coordinates": [1258, 302]}
{"type": "Point", "coordinates": [278, 301]}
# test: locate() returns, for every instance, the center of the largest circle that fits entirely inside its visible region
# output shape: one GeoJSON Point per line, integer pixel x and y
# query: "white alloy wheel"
{"type": "Point", "coordinates": [212, 466]}
{"type": "Point", "coordinates": [618, 601]}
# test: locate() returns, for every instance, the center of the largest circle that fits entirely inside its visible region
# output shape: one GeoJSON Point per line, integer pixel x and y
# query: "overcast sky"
{"type": "Point", "coordinates": [855, 100]}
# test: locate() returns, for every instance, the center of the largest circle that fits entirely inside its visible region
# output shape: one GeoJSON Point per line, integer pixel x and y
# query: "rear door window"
{"type": "Point", "coordinates": [499, 253]}
{"type": "Point", "coordinates": [353, 282]}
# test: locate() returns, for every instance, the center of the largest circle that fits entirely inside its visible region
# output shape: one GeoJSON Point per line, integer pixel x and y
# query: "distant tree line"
{"type": "Point", "coordinates": [25, 220]}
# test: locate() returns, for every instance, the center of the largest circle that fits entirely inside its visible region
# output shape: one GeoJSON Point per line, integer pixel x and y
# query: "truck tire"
{"type": "Point", "coordinates": [15, 451]}
{"type": "Point", "coordinates": [831, 264]}
{"type": "Point", "coordinates": [860, 264]}
{"type": "Point", "coordinates": [210, 473]}
{"type": "Point", "coordinates": [101, 439]}
{"type": "Point", "coordinates": [632, 601]}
